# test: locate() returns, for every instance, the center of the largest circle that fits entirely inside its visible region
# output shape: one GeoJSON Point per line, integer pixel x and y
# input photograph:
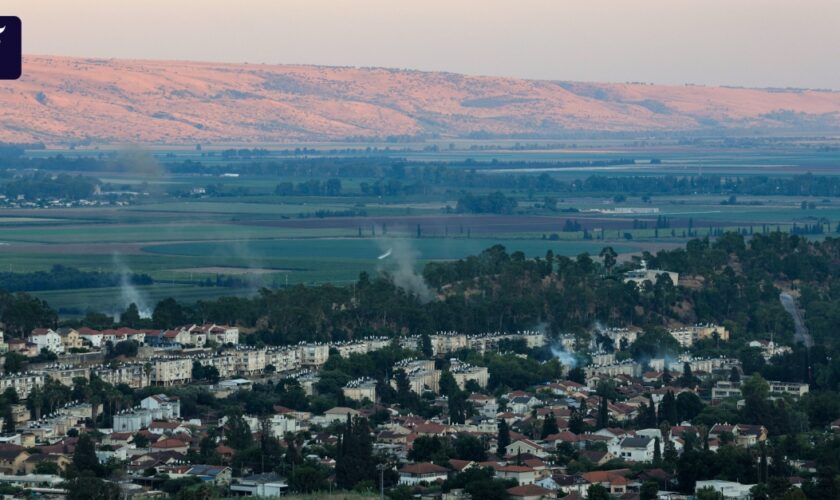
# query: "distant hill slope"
{"type": "Point", "coordinates": [62, 99]}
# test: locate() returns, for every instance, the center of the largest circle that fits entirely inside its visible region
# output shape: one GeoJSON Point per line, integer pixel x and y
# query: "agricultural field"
{"type": "Point", "coordinates": [188, 240]}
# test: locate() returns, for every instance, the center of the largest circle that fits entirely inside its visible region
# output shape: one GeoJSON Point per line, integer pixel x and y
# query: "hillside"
{"type": "Point", "coordinates": [62, 99]}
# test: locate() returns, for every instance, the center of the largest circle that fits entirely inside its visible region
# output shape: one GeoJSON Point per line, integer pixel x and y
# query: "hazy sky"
{"type": "Point", "coordinates": [732, 42]}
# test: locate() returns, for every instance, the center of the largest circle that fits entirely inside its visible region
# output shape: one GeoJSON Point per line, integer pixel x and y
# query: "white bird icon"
{"type": "Point", "coordinates": [2, 29]}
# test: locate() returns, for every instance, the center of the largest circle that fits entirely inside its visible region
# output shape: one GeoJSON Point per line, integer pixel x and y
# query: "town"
{"type": "Point", "coordinates": [420, 250]}
{"type": "Point", "coordinates": [598, 424]}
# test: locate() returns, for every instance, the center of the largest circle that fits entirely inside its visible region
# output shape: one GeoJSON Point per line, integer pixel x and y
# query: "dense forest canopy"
{"type": "Point", "coordinates": [497, 290]}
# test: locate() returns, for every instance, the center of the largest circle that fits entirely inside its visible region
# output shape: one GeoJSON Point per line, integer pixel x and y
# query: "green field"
{"type": "Point", "coordinates": [272, 240]}
{"type": "Point", "coordinates": [366, 249]}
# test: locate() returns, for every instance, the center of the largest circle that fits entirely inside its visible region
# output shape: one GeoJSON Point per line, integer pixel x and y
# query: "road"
{"type": "Point", "coordinates": [801, 333]}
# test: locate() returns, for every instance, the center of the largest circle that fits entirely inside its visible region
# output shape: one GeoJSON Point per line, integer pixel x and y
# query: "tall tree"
{"type": "Point", "coordinates": [131, 316]}
{"type": "Point", "coordinates": [597, 492]}
{"type": "Point", "coordinates": [503, 438]}
{"type": "Point", "coordinates": [458, 407]}
{"type": "Point", "coordinates": [549, 426]}
{"type": "Point", "coordinates": [687, 379]}
{"type": "Point", "coordinates": [8, 419]}
{"type": "Point", "coordinates": [84, 457]}
{"type": "Point", "coordinates": [426, 345]}
{"type": "Point", "coordinates": [354, 461]}
{"type": "Point", "coordinates": [609, 256]}
{"type": "Point", "coordinates": [447, 384]}
{"type": "Point", "coordinates": [237, 431]}
{"type": "Point", "coordinates": [603, 413]}
{"type": "Point", "coordinates": [576, 423]}
{"type": "Point", "coordinates": [86, 486]}
{"type": "Point", "coordinates": [668, 409]}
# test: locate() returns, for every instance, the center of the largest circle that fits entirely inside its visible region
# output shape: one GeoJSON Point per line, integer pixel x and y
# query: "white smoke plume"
{"type": "Point", "coordinates": [400, 264]}
{"type": "Point", "coordinates": [129, 294]}
{"type": "Point", "coordinates": [565, 358]}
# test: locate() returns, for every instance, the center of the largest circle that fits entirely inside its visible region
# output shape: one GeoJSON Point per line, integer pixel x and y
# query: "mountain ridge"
{"type": "Point", "coordinates": [68, 100]}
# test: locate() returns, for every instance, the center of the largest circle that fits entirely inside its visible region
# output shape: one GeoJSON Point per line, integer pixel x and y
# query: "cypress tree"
{"type": "Point", "coordinates": [603, 413]}
{"type": "Point", "coordinates": [503, 439]}
{"type": "Point", "coordinates": [549, 426]}
{"type": "Point", "coordinates": [668, 409]}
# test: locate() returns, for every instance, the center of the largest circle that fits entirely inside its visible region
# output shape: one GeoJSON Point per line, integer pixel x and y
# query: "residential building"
{"type": "Point", "coordinates": [530, 492]}
{"type": "Point", "coordinates": [464, 372]}
{"type": "Point", "coordinates": [260, 485]}
{"type": "Point", "coordinates": [486, 406]}
{"type": "Point", "coordinates": [65, 374]}
{"type": "Point", "coordinates": [360, 389]}
{"type": "Point", "coordinates": [163, 407]}
{"type": "Point", "coordinates": [337, 414]}
{"type": "Point", "coordinates": [421, 373]}
{"type": "Point", "coordinates": [729, 490]}
{"type": "Point", "coordinates": [23, 347]}
{"type": "Point", "coordinates": [283, 359]}
{"type": "Point", "coordinates": [413, 474]}
{"type": "Point", "coordinates": [132, 420]}
{"type": "Point", "coordinates": [46, 338]}
{"type": "Point", "coordinates": [250, 361]}
{"type": "Point", "coordinates": [633, 449]}
{"type": "Point", "coordinates": [93, 337]}
{"type": "Point", "coordinates": [521, 473]}
{"type": "Point", "coordinates": [134, 375]}
{"type": "Point", "coordinates": [70, 338]}
{"type": "Point", "coordinates": [314, 355]}
{"type": "Point", "coordinates": [446, 342]}
{"type": "Point", "coordinates": [769, 348]}
{"type": "Point", "coordinates": [171, 371]}
{"type": "Point", "coordinates": [724, 389]}
{"type": "Point", "coordinates": [642, 275]}
{"type": "Point", "coordinates": [217, 474]}
{"type": "Point", "coordinates": [795, 389]}
{"type": "Point", "coordinates": [22, 383]}
{"type": "Point", "coordinates": [526, 446]}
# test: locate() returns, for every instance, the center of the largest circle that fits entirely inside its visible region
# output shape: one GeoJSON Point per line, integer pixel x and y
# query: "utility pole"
{"type": "Point", "coordinates": [382, 468]}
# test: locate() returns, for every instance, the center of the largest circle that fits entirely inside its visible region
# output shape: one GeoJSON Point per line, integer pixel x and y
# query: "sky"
{"type": "Point", "coordinates": [756, 43]}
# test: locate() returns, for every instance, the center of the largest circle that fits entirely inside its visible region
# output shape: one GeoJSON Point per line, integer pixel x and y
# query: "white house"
{"type": "Point", "coordinates": [412, 474]}
{"type": "Point", "coordinates": [282, 424]}
{"type": "Point", "coordinates": [727, 489]}
{"type": "Point", "coordinates": [162, 407]}
{"type": "Point", "coordinates": [222, 334]}
{"type": "Point", "coordinates": [132, 421]}
{"type": "Point", "coordinates": [46, 338]}
{"type": "Point", "coordinates": [91, 335]}
{"type": "Point", "coordinates": [634, 449]}
{"type": "Point", "coordinates": [261, 485]}
{"type": "Point", "coordinates": [525, 446]}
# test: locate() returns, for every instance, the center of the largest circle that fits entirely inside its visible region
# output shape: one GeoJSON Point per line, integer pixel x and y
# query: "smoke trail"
{"type": "Point", "coordinates": [565, 358]}
{"type": "Point", "coordinates": [400, 265]}
{"type": "Point", "coordinates": [129, 294]}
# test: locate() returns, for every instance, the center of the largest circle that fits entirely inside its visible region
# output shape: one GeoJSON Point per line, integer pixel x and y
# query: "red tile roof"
{"type": "Point", "coordinates": [528, 490]}
{"type": "Point", "coordinates": [423, 468]}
